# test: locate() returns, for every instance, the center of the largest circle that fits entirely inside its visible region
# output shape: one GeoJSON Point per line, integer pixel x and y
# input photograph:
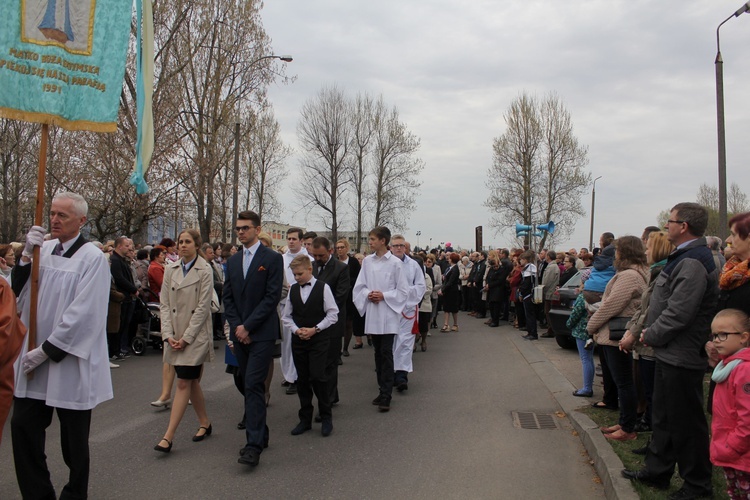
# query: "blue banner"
{"type": "Point", "coordinates": [62, 62]}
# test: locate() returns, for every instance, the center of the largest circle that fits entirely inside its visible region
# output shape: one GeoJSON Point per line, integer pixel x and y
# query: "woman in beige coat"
{"type": "Point", "coordinates": [186, 327]}
{"type": "Point", "coordinates": [621, 299]}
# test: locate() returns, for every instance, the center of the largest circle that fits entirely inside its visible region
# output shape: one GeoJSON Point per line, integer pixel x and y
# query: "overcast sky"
{"type": "Point", "coordinates": [637, 77]}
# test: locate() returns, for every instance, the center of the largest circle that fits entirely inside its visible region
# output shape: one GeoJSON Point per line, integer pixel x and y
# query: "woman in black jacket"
{"type": "Point", "coordinates": [450, 293]}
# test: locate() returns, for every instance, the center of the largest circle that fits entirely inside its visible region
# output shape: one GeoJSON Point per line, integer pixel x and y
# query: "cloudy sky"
{"type": "Point", "coordinates": [637, 76]}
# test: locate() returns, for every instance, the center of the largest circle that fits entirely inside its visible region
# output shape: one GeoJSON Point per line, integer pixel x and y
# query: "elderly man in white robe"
{"type": "Point", "coordinates": [380, 295]}
{"type": "Point", "coordinates": [69, 368]}
{"type": "Point", "coordinates": [403, 344]}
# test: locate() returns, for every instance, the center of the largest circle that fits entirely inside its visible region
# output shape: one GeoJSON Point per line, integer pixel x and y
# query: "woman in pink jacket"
{"type": "Point", "coordinates": [730, 426]}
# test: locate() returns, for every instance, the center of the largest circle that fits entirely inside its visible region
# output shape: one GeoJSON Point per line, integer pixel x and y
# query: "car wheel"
{"type": "Point", "coordinates": [138, 345]}
{"type": "Point", "coordinates": [566, 341]}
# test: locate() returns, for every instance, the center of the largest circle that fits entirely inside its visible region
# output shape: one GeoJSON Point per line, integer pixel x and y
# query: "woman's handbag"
{"type": "Point", "coordinates": [617, 327]}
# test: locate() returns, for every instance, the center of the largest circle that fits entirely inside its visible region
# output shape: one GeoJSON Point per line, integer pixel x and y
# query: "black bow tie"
{"type": "Point", "coordinates": [306, 284]}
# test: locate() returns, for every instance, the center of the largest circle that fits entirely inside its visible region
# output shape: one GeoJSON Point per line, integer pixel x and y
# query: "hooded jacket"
{"type": "Point", "coordinates": [730, 426]}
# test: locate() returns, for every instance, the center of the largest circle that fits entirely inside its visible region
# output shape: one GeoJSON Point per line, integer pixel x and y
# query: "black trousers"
{"type": "Point", "coordinates": [680, 430]}
{"type": "Point", "coordinates": [495, 312]}
{"type": "Point", "coordinates": [530, 309]}
{"type": "Point", "coordinates": [383, 346]}
{"type": "Point", "coordinates": [479, 305]}
{"type": "Point", "coordinates": [332, 368]}
{"type": "Point", "coordinates": [310, 360]}
{"type": "Point", "coordinates": [254, 359]}
{"type": "Point", "coordinates": [611, 397]}
{"type": "Point", "coordinates": [28, 426]}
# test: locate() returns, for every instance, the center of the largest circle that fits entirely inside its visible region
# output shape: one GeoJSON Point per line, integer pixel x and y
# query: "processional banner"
{"type": "Point", "coordinates": [62, 62]}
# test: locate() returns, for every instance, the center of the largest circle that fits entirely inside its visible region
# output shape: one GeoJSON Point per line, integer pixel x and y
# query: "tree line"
{"type": "Point", "coordinates": [359, 165]}
{"type": "Point", "coordinates": [210, 73]}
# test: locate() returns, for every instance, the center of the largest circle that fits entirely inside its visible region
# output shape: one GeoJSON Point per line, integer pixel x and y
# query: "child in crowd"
{"type": "Point", "coordinates": [309, 311]}
{"type": "Point", "coordinates": [593, 288]}
{"type": "Point", "coordinates": [730, 426]}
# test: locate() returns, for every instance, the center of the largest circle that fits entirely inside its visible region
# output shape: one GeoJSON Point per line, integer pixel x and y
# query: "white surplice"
{"type": "Point", "coordinates": [385, 274]}
{"type": "Point", "coordinates": [72, 316]}
{"type": "Point", "coordinates": [287, 362]}
{"type": "Point", "coordinates": [403, 344]}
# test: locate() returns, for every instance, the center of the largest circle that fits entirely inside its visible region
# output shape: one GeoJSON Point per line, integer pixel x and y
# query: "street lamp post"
{"type": "Point", "coordinates": [593, 198]}
{"type": "Point", "coordinates": [419, 233]}
{"type": "Point", "coordinates": [719, 63]}
{"type": "Point", "coordinates": [235, 191]}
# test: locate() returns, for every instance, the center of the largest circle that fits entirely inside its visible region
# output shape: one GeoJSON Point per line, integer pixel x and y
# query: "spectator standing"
{"type": "Point", "coordinates": [678, 325]}
{"type": "Point", "coordinates": [550, 281]}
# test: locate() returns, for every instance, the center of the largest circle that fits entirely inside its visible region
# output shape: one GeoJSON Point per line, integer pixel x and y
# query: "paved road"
{"type": "Point", "coordinates": [452, 435]}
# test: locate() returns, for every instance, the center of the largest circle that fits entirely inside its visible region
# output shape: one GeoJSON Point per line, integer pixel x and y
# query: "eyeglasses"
{"type": "Point", "coordinates": [340, 248]}
{"type": "Point", "coordinates": [724, 335]}
{"type": "Point", "coordinates": [670, 221]}
{"type": "Point", "coordinates": [240, 229]}
{"type": "Point", "coordinates": [400, 245]}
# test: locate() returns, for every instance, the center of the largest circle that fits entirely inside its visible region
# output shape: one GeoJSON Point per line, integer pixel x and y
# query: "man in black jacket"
{"type": "Point", "coordinates": [335, 274]}
{"type": "Point", "coordinates": [125, 284]}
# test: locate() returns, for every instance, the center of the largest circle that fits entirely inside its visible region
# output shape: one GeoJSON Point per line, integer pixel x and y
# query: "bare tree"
{"type": "Point", "coordinates": [266, 166]}
{"type": "Point", "coordinates": [223, 47]}
{"type": "Point", "coordinates": [708, 196]}
{"type": "Point", "coordinates": [362, 132]}
{"type": "Point", "coordinates": [538, 167]}
{"type": "Point", "coordinates": [396, 167]}
{"type": "Point", "coordinates": [324, 134]}
{"type": "Point", "coordinates": [18, 174]}
{"type": "Point", "coordinates": [736, 200]}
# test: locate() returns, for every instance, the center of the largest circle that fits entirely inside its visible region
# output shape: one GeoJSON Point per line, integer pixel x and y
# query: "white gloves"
{"type": "Point", "coordinates": [35, 237]}
{"type": "Point", "coordinates": [32, 359]}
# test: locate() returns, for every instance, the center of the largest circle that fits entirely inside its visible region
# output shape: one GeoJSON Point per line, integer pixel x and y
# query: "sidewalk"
{"type": "Point", "coordinates": [606, 462]}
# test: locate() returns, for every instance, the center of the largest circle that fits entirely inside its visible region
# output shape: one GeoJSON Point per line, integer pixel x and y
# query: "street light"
{"type": "Point", "coordinates": [719, 63]}
{"type": "Point", "coordinates": [593, 197]}
{"type": "Point", "coordinates": [235, 191]}
{"type": "Point", "coordinates": [418, 235]}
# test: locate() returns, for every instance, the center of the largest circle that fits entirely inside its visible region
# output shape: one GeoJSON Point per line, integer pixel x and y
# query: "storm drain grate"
{"type": "Point", "coordinates": [532, 420]}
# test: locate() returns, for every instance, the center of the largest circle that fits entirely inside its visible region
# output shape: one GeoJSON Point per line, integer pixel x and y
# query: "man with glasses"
{"type": "Point", "coordinates": [678, 325]}
{"type": "Point", "coordinates": [403, 343]}
{"type": "Point", "coordinates": [252, 290]}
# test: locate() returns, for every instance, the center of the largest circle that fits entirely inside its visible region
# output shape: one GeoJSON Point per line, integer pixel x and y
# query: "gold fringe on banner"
{"type": "Point", "coordinates": [71, 125]}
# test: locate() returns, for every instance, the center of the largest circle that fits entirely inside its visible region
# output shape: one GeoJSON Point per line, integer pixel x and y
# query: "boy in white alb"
{"type": "Point", "coordinates": [380, 295]}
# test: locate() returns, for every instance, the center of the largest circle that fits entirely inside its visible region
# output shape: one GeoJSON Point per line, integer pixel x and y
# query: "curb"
{"type": "Point", "coordinates": [606, 462]}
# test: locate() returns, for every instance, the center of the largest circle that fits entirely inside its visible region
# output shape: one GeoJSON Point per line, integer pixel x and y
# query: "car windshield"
{"type": "Point", "coordinates": [573, 282]}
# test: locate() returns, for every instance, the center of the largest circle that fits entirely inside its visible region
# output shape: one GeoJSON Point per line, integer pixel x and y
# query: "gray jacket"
{"type": "Point", "coordinates": [549, 280]}
{"type": "Point", "coordinates": [682, 305]}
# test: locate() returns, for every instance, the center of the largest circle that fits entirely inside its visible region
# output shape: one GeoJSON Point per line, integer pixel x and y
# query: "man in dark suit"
{"type": "Point", "coordinates": [336, 275]}
{"type": "Point", "coordinates": [480, 266]}
{"type": "Point", "coordinates": [252, 291]}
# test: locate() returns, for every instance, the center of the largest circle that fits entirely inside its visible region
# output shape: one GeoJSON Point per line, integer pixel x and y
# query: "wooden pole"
{"type": "Point", "coordinates": [40, 183]}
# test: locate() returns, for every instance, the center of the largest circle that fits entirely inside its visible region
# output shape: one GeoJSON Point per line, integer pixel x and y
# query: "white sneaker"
{"type": "Point", "coordinates": [112, 365]}
{"type": "Point", "coordinates": [159, 403]}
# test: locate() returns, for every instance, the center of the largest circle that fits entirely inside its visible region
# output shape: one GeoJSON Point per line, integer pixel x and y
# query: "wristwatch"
{"type": "Point", "coordinates": [317, 330]}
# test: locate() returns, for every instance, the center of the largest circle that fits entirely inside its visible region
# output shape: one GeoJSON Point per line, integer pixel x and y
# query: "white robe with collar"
{"type": "Point", "coordinates": [71, 315]}
{"type": "Point", "coordinates": [385, 274]}
{"type": "Point", "coordinates": [403, 345]}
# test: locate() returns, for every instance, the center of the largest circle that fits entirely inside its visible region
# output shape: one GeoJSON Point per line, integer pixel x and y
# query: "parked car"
{"type": "Point", "coordinates": [562, 304]}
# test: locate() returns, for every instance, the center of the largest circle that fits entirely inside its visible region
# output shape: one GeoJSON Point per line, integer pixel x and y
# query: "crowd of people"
{"type": "Point", "coordinates": [648, 306]}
